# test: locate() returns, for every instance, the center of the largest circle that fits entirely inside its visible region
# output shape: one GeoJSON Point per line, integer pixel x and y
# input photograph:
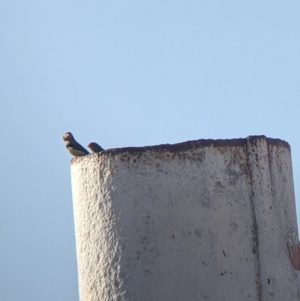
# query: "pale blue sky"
{"type": "Point", "coordinates": [126, 73]}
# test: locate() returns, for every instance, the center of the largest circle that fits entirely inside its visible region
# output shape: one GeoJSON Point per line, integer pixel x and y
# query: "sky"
{"type": "Point", "coordinates": [126, 73]}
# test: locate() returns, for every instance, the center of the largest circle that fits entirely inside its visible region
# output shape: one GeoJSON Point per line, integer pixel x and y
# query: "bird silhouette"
{"type": "Point", "coordinates": [95, 148]}
{"type": "Point", "coordinates": [73, 147]}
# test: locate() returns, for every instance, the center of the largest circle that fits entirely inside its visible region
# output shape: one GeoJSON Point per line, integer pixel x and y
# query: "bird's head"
{"type": "Point", "coordinates": [68, 136]}
{"type": "Point", "coordinates": [91, 146]}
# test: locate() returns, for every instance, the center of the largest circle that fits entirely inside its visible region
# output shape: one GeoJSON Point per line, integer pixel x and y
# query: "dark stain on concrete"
{"type": "Point", "coordinates": [255, 234]}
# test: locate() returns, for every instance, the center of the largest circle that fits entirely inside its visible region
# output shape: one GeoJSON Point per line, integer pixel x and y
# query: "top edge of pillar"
{"type": "Point", "coordinates": [192, 144]}
{"type": "Point", "coordinates": [187, 145]}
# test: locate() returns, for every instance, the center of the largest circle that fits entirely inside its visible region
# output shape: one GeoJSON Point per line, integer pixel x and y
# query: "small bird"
{"type": "Point", "coordinates": [73, 147]}
{"type": "Point", "coordinates": [95, 148]}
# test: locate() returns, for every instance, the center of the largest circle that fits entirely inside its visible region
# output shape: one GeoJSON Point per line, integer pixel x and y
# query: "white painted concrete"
{"type": "Point", "coordinates": [201, 220]}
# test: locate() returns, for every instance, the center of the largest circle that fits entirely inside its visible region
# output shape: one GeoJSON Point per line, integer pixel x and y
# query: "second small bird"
{"type": "Point", "coordinates": [95, 148]}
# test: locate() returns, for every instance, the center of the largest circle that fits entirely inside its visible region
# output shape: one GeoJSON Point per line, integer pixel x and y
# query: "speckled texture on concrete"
{"type": "Point", "coordinates": [200, 220]}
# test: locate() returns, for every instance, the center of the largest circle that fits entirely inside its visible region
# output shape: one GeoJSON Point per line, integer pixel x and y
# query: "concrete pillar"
{"type": "Point", "coordinates": [199, 220]}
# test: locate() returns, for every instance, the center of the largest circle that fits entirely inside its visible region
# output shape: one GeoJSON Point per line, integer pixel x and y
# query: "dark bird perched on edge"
{"type": "Point", "coordinates": [95, 148]}
{"type": "Point", "coordinates": [73, 147]}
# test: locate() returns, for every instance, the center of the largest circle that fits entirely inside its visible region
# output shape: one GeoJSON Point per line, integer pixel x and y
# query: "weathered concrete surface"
{"type": "Point", "coordinates": [200, 220]}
